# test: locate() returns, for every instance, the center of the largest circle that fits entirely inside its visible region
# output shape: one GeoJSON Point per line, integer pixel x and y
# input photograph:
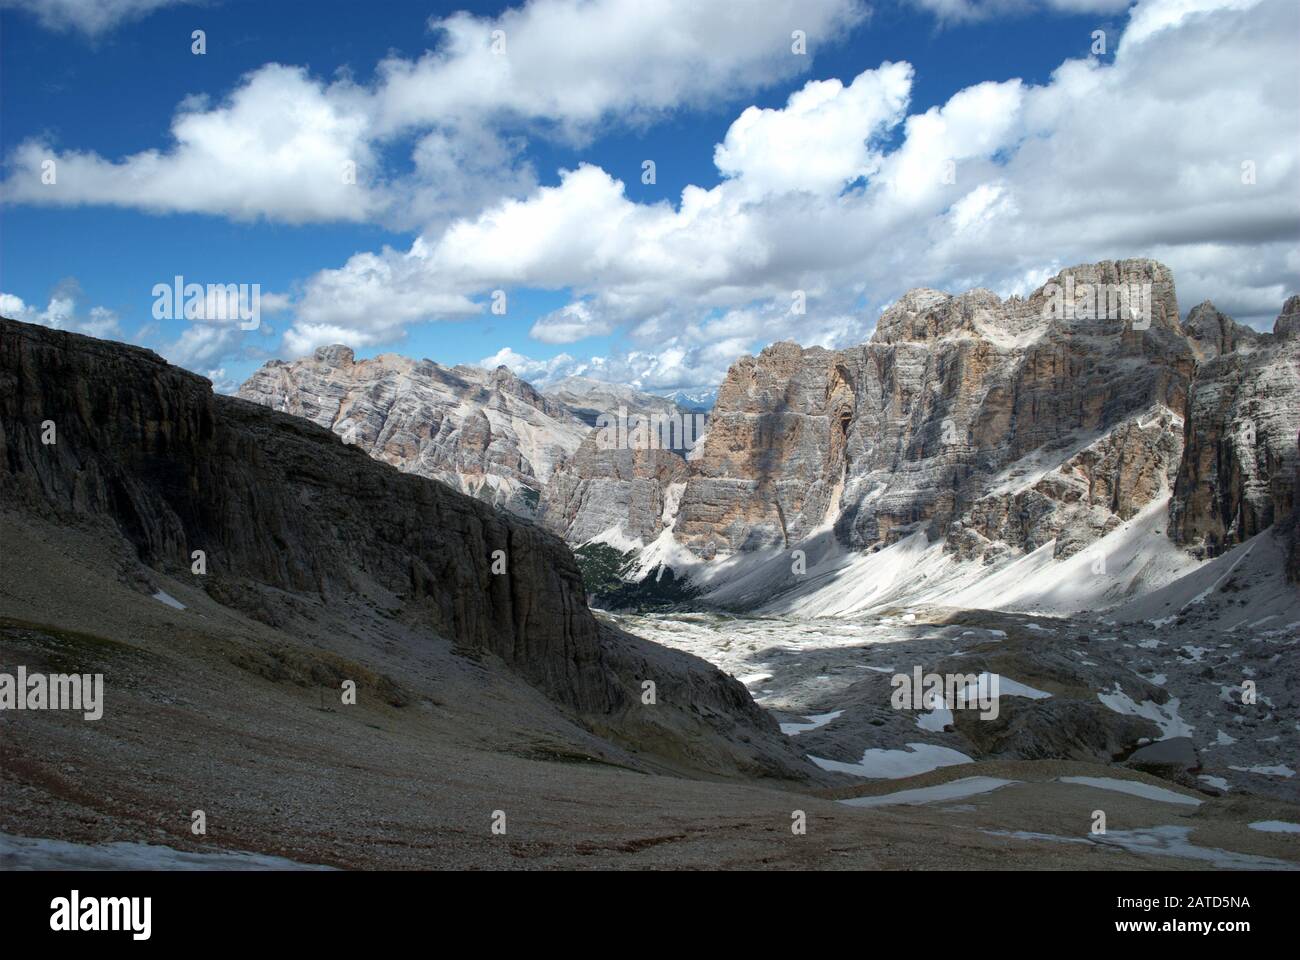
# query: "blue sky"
{"type": "Point", "coordinates": [603, 274]}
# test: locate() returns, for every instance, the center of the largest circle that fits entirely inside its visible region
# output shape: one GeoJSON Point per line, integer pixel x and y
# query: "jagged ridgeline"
{"type": "Point", "coordinates": [991, 427]}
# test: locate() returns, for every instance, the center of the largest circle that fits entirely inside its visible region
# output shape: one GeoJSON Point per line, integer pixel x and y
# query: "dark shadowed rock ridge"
{"type": "Point", "coordinates": [281, 506]}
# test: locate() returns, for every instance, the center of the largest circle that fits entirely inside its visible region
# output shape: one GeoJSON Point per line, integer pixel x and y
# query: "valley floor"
{"type": "Point", "coordinates": [207, 710]}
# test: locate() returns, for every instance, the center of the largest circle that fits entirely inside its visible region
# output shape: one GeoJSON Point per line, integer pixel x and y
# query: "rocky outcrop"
{"type": "Point", "coordinates": [485, 432]}
{"type": "Point", "coordinates": [112, 437]}
{"type": "Point", "coordinates": [1238, 473]}
{"type": "Point", "coordinates": [1287, 325]}
{"type": "Point", "coordinates": [774, 460]}
{"type": "Point", "coordinates": [1213, 333]}
{"type": "Point", "coordinates": [624, 480]}
{"type": "Point", "coordinates": [970, 417]}
{"type": "Point", "coordinates": [1082, 500]}
{"type": "Point", "coordinates": [628, 495]}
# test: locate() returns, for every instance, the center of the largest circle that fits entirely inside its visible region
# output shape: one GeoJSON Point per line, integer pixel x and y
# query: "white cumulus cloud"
{"type": "Point", "coordinates": [61, 313]}
{"type": "Point", "coordinates": [1180, 147]}
{"type": "Point", "coordinates": [91, 17]}
{"type": "Point", "coordinates": [287, 146]}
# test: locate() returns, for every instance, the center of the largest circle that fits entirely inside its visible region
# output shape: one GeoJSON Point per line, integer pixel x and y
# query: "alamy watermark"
{"type": "Point", "coordinates": [1075, 300]}
{"type": "Point", "coordinates": [55, 691]}
{"type": "Point", "coordinates": [75, 913]}
{"type": "Point", "coordinates": [650, 431]}
{"type": "Point", "coordinates": [954, 691]}
{"type": "Point", "coordinates": [215, 302]}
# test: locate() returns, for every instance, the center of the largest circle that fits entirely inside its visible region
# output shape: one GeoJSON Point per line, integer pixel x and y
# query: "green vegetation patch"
{"type": "Point", "coordinates": [604, 573]}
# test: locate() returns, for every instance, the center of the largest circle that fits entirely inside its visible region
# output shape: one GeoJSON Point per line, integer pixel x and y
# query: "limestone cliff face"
{"type": "Point", "coordinates": [597, 491]}
{"type": "Point", "coordinates": [998, 424]}
{"type": "Point", "coordinates": [146, 453]}
{"type": "Point", "coordinates": [486, 433]}
{"type": "Point", "coordinates": [1084, 498]}
{"type": "Point", "coordinates": [624, 490]}
{"type": "Point", "coordinates": [1213, 333]}
{"type": "Point", "coordinates": [773, 455]}
{"type": "Point", "coordinates": [1238, 473]}
{"type": "Point", "coordinates": [276, 501]}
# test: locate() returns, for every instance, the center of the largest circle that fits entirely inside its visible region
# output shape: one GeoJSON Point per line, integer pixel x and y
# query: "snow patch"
{"type": "Point", "coordinates": [163, 596]}
{"type": "Point", "coordinates": [814, 721]}
{"type": "Point", "coordinates": [1275, 826]}
{"type": "Point", "coordinates": [1164, 716]}
{"type": "Point", "coordinates": [1276, 770]}
{"type": "Point", "coordinates": [40, 853]}
{"type": "Point", "coordinates": [952, 790]}
{"type": "Point", "coordinates": [896, 764]}
{"type": "Point", "coordinates": [1133, 788]}
{"type": "Point", "coordinates": [1170, 841]}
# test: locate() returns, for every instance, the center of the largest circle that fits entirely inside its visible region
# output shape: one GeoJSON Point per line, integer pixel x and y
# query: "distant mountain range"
{"type": "Point", "coordinates": [487, 433]}
{"type": "Point", "coordinates": [991, 427]}
{"type": "Point", "coordinates": [698, 401]}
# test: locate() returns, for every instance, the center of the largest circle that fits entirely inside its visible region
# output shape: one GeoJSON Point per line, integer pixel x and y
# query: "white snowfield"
{"type": "Point", "coordinates": [1275, 826]}
{"type": "Point", "coordinates": [1169, 841]}
{"type": "Point", "coordinates": [162, 596]}
{"type": "Point", "coordinates": [839, 582]}
{"type": "Point", "coordinates": [952, 790]}
{"type": "Point", "coordinates": [39, 853]}
{"type": "Point", "coordinates": [1005, 687]}
{"type": "Point", "coordinates": [815, 721]}
{"type": "Point", "coordinates": [1267, 770]}
{"type": "Point", "coordinates": [1134, 788]}
{"type": "Point", "coordinates": [896, 764]}
{"type": "Point", "coordinates": [1165, 715]}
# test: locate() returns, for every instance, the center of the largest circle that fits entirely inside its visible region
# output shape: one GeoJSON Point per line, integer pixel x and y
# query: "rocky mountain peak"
{"type": "Point", "coordinates": [1086, 296]}
{"type": "Point", "coordinates": [995, 418]}
{"type": "Point", "coordinates": [335, 355]}
{"type": "Point", "coordinates": [906, 318]}
{"type": "Point", "coordinates": [506, 381]}
{"type": "Point", "coordinates": [1136, 293]}
{"type": "Point", "coordinates": [782, 349]}
{"type": "Point", "coordinates": [1213, 332]}
{"type": "Point", "coordinates": [1287, 325]}
{"type": "Point", "coordinates": [589, 398]}
{"type": "Point", "coordinates": [486, 433]}
{"type": "Point", "coordinates": [504, 377]}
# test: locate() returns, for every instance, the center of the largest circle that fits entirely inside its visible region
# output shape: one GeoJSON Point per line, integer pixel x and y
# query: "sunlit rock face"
{"type": "Point", "coordinates": [999, 424]}
{"type": "Point", "coordinates": [621, 482]}
{"type": "Point", "coordinates": [485, 432]}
